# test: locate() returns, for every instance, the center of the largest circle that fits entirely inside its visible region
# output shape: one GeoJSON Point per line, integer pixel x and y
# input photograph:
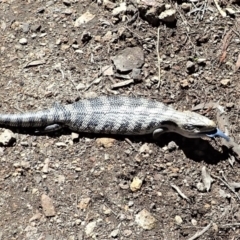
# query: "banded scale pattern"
{"type": "Point", "coordinates": [111, 114]}
{"type": "Point", "coordinates": [116, 115]}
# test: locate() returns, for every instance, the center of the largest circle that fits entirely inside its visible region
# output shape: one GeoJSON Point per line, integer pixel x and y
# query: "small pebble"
{"type": "Point", "coordinates": [7, 137]}
{"type": "Point", "coordinates": [105, 142]}
{"type": "Point", "coordinates": [225, 82]}
{"type": "Point", "coordinates": [145, 220]}
{"type": "Point", "coordinates": [25, 27]}
{"type": "Point", "coordinates": [67, 2]}
{"type": "Point", "coordinates": [194, 222]}
{"type": "Point", "coordinates": [178, 220]}
{"type": "Point", "coordinates": [230, 11]}
{"type": "Point", "coordinates": [35, 27]}
{"type": "Point", "coordinates": [190, 67]}
{"type": "Point", "coordinates": [186, 6]}
{"type": "Point", "coordinates": [86, 36]}
{"type": "Point", "coordinates": [75, 46]}
{"type": "Point", "coordinates": [230, 105]}
{"type": "Point", "coordinates": [172, 146]}
{"type": "Point", "coordinates": [200, 187]}
{"type": "Point", "coordinates": [24, 144]}
{"type": "Point", "coordinates": [68, 11]}
{"type": "Point", "coordinates": [61, 144]}
{"type": "Point", "coordinates": [84, 203]}
{"type": "Point", "coordinates": [78, 222]}
{"type": "Point", "coordinates": [168, 16]}
{"type": "Point", "coordinates": [47, 205]}
{"type": "Point", "coordinates": [40, 10]}
{"type": "Point", "coordinates": [115, 233]}
{"type": "Point", "coordinates": [74, 136]}
{"type": "Point", "coordinates": [45, 168]}
{"type": "Point", "coordinates": [136, 184]}
{"type": "Point", "coordinates": [127, 233]}
{"type": "Point", "coordinates": [80, 86]}
{"type": "Point", "coordinates": [201, 60]}
{"type": "Point", "coordinates": [130, 203]}
{"type": "Point", "coordinates": [106, 210]}
{"type": "Point", "coordinates": [144, 148]}
{"type": "Point", "coordinates": [23, 41]}
{"type": "Point", "coordinates": [90, 228]}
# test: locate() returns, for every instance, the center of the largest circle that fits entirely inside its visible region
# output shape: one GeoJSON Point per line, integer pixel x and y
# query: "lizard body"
{"type": "Point", "coordinates": [116, 115]}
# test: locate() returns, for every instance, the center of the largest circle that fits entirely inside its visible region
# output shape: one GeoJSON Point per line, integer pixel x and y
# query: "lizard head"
{"type": "Point", "coordinates": [194, 125]}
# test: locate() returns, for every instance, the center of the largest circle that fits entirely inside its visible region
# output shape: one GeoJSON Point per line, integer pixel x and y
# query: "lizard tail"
{"type": "Point", "coordinates": [31, 119]}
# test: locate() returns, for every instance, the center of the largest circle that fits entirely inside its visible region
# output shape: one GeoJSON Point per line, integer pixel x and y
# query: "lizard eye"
{"type": "Point", "coordinates": [192, 127]}
{"type": "Point", "coordinates": [189, 127]}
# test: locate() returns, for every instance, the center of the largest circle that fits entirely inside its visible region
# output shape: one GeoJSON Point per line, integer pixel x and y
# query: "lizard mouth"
{"type": "Point", "coordinates": [217, 133]}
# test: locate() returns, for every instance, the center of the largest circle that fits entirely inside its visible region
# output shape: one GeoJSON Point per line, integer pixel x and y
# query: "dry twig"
{"type": "Point", "coordinates": [158, 58]}
{"type": "Point", "coordinates": [226, 42]}
{"type": "Point", "coordinates": [130, 143]}
{"type": "Point", "coordinates": [219, 9]}
{"type": "Point", "coordinates": [180, 192]}
{"type": "Point", "coordinates": [229, 225]}
{"type": "Point", "coordinates": [237, 66]}
{"type": "Point", "coordinates": [70, 78]}
{"type": "Point", "coordinates": [200, 233]}
{"type": "Point", "coordinates": [122, 84]}
{"type": "Point", "coordinates": [226, 184]}
{"type": "Point", "coordinates": [94, 82]}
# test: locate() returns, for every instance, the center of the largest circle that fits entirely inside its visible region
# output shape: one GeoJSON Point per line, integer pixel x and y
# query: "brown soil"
{"type": "Point", "coordinates": [81, 169]}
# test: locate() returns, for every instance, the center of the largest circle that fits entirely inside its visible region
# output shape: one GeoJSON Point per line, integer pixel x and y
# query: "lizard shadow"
{"type": "Point", "coordinates": [196, 149]}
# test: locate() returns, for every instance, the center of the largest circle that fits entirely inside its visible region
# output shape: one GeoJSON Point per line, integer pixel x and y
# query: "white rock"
{"type": "Point", "coordinates": [25, 164]}
{"type": "Point", "coordinates": [78, 221]}
{"type": "Point", "coordinates": [108, 4]}
{"type": "Point", "coordinates": [107, 70]}
{"type": "Point", "coordinates": [144, 148]}
{"type": "Point", "coordinates": [115, 233]}
{"type": "Point", "coordinates": [61, 179]}
{"type": "Point", "coordinates": [200, 187]}
{"type": "Point", "coordinates": [84, 203]}
{"type": "Point", "coordinates": [74, 136]}
{"type": "Point", "coordinates": [186, 6]}
{"type": "Point", "coordinates": [230, 11]}
{"type": "Point", "coordinates": [105, 142]}
{"type": "Point", "coordinates": [178, 220]}
{"type": "Point", "coordinates": [84, 18]}
{"type": "Point", "coordinates": [206, 178]}
{"type": "Point", "coordinates": [167, 6]}
{"type": "Point", "coordinates": [172, 146]}
{"type": "Point", "coordinates": [168, 15]}
{"type": "Point", "coordinates": [45, 168]}
{"type": "Point", "coordinates": [145, 220]}
{"type": "Point", "coordinates": [107, 37]}
{"type": "Point", "coordinates": [122, 8]}
{"type": "Point", "coordinates": [194, 222]}
{"type": "Point", "coordinates": [106, 210]}
{"type": "Point", "coordinates": [23, 41]}
{"type": "Point", "coordinates": [89, 95]}
{"type": "Point", "coordinates": [136, 184]}
{"type": "Point", "coordinates": [89, 228]}
{"type": "Point", "coordinates": [225, 82]}
{"type": "Point", "coordinates": [7, 137]}
{"type": "Point", "coordinates": [80, 86]}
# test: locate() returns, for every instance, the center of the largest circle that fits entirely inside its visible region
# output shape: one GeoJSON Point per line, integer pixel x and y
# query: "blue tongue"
{"type": "Point", "coordinates": [218, 133]}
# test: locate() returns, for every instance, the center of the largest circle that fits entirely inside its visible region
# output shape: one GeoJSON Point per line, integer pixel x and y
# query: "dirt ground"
{"type": "Point", "coordinates": [68, 186]}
